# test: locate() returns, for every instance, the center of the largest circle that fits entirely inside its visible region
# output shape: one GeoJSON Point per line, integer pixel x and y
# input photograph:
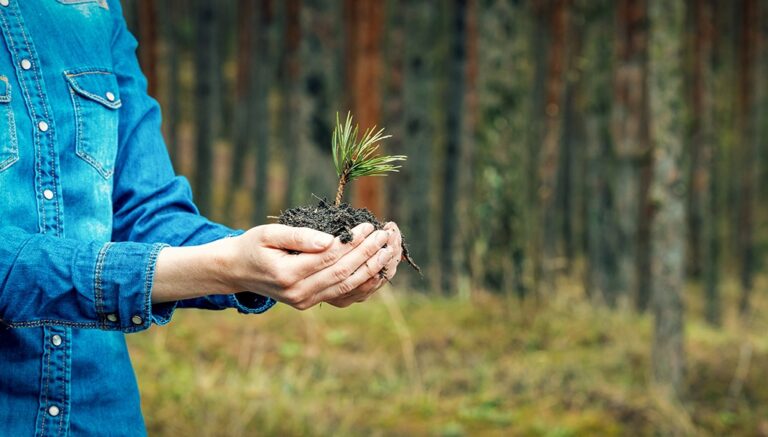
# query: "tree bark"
{"type": "Point", "coordinates": [419, 99]}
{"type": "Point", "coordinates": [747, 128]}
{"type": "Point", "coordinates": [291, 120]}
{"type": "Point", "coordinates": [364, 25]}
{"type": "Point", "coordinates": [204, 76]}
{"type": "Point", "coordinates": [550, 145]}
{"type": "Point", "coordinates": [668, 194]}
{"type": "Point", "coordinates": [453, 129]}
{"type": "Point", "coordinates": [259, 106]}
{"type": "Point", "coordinates": [629, 136]}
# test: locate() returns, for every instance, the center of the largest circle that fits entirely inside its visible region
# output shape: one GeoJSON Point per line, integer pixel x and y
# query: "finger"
{"type": "Point", "coordinates": [396, 243]}
{"type": "Point", "coordinates": [296, 239]}
{"type": "Point", "coordinates": [360, 293]}
{"type": "Point", "coordinates": [368, 269]}
{"type": "Point", "coordinates": [308, 264]}
{"type": "Point", "coordinates": [351, 262]}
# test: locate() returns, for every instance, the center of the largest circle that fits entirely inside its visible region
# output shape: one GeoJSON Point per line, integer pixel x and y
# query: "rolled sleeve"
{"type": "Point", "coordinates": [123, 279]}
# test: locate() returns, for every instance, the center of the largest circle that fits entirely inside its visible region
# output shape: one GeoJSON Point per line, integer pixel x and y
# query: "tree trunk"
{"type": "Point", "coordinates": [668, 193]}
{"type": "Point", "coordinates": [703, 212]}
{"type": "Point", "coordinates": [550, 146]}
{"type": "Point", "coordinates": [291, 120]}
{"type": "Point", "coordinates": [453, 129]}
{"type": "Point", "coordinates": [394, 119]}
{"type": "Point", "coordinates": [259, 106]}
{"type": "Point", "coordinates": [242, 117]}
{"type": "Point", "coordinates": [364, 24]}
{"type": "Point", "coordinates": [600, 244]}
{"type": "Point", "coordinates": [204, 76]}
{"type": "Point", "coordinates": [148, 48]}
{"type": "Point", "coordinates": [629, 136]}
{"type": "Point", "coordinates": [746, 128]}
{"type": "Point", "coordinates": [419, 98]}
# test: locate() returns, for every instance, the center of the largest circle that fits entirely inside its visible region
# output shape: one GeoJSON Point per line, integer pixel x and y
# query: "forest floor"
{"type": "Point", "coordinates": [405, 364]}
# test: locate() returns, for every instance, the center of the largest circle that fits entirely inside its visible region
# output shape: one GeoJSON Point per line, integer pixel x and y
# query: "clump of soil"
{"type": "Point", "coordinates": [337, 221]}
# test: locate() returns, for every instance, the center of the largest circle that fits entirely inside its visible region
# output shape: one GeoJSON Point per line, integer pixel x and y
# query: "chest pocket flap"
{"type": "Point", "coordinates": [95, 100]}
{"type": "Point", "coordinates": [99, 86]}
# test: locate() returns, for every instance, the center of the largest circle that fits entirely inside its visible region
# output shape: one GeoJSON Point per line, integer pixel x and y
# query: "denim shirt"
{"type": "Point", "coordinates": [88, 198]}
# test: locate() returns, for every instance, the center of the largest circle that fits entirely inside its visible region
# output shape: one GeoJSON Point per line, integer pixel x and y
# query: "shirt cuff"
{"type": "Point", "coordinates": [122, 287]}
{"type": "Point", "coordinates": [250, 303]}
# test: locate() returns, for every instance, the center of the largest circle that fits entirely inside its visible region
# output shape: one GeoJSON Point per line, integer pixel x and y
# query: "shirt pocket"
{"type": "Point", "coordinates": [9, 145]}
{"type": "Point", "coordinates": [96, 99]}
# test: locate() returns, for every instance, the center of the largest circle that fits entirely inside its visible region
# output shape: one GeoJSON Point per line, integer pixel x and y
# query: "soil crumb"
{"type": "Point", "coordinates": [337, 221]}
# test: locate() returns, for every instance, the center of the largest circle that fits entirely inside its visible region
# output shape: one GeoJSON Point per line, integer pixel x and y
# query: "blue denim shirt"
{"type": "Point", "coordinates": [88, 198]}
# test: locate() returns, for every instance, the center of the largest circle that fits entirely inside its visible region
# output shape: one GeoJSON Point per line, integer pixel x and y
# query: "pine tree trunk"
{"type": "Point", "coordinates": [242, 117]}
{"type": "Point", "coordinates": [291, 121]}
{"type": "Point", "coordinates": [703, 211]}
{"type": "Point", "coordinates": [629, 133]}
{"type": "Point", "coordinates": [668, 193]}
{"type": "Point", "coordinates": [259, 106]}
{"type": "Point", "coordinates": [394, 119]}
{"type": "Point", "coordinates": [453, 129]}
{"type": "Point", "coordinates": [147, 20]}
{"type": "Point", "coordinates": [550, 146]}
{"type": "Point", "coordinates": [747, 127]}
{"type": "Point", "coordinates": [600, 244]}
{"type": "Point", "coordinates": [204, 76]}
{"type": "Point", "coordinates": [364, 25]}
{"type": "Point", "coordinates": [419, 98]}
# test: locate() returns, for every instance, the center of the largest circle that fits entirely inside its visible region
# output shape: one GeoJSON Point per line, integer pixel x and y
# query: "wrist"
{"type": "Point", "coordinates": [224, 264]}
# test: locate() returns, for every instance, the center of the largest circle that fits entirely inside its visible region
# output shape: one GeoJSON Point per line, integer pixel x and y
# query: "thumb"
{"type": "Point", "coordinates": [298, 239]}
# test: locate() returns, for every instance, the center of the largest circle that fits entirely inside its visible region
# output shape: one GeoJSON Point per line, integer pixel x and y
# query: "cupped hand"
{"type": "Point", "coordinates": [265, 260]}
{"type": "Point", "coordinates": [376, 281]}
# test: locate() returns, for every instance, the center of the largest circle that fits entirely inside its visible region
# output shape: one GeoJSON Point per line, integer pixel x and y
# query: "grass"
{"type": "Point", "coordinates": [419, 365]}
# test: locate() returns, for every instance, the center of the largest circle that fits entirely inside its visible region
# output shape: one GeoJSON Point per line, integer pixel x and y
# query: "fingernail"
{"type": "Point", "coordinates": [382, 237]}
{"type": "Point", "coordinates": [323, 241]}
{"type": "Point", "coordinates": [385, 255]}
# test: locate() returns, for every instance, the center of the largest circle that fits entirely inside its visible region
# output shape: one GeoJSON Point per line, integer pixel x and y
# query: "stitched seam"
{"type": "Point", "coordinates": [148, 277]}
{"type": "Point", "coordinates": [46, 114]}
{"type": "Point", "coordinates": [14, 149]}
{"type": "Point", "coordinates": [49, 322]}
{"type": "Point", "coordinates": [79, 122]}
{"type": "Point", "coordinates": [28, 98]}
{"type": "Point", "coordinates": [45, 386]}
{"type": "Point", "coordinates": [97, 289]}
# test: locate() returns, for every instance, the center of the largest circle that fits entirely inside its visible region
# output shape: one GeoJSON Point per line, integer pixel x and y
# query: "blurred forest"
{"type": "Point", "coordinates": [598, 153]}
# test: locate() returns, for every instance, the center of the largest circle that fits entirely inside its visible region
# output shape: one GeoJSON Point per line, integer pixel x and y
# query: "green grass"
{"type": "Point", "coordinates": [418, 365]}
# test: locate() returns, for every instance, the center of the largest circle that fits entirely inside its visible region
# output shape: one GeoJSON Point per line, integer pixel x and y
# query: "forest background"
{"type": "Point", "coordinates": [585, 190]}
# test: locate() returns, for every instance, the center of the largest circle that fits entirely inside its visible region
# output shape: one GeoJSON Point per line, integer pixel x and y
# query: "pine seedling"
{"type": "Point", "coordinates": [356, 157]}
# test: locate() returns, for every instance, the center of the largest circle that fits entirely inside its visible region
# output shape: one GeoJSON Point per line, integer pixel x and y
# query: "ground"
{"type": "Point", "coordinates": [407, 364]}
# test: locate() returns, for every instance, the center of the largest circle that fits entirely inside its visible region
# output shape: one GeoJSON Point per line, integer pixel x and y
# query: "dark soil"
{"type": "Point", "coordinates": [337, 221]}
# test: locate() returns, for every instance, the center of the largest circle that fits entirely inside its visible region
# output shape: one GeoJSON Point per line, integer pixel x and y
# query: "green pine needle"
{"type": "Point", "coordinates": [354, 156]}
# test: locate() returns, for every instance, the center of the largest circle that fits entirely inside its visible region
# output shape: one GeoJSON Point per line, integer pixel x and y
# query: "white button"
{"type": "Point", "coordinates": [110, 96]}
{"type": "Point", "coordinates": [43, 126]}
{"type": "Point", "coordinates": [137, 320]}
{"type": "Point", "coordinates": [112, 317]}
{"type": "Point", "coordinates": [4, 2]}
{"type": "Point", "coordinates": [48, 194]}
{"type": "Point", "coordinates": [53, 410]}
{"type": "Point", "coordinates": [56, 340]}
{"type": "Point", "coordinates": [25, 64]}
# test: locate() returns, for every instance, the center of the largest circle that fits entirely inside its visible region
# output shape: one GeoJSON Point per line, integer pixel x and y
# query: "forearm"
{"type": "Point", "coordinates": [193, 271]}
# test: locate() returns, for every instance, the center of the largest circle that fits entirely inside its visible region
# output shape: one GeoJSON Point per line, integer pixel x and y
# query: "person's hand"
{"type": "Point", "coordinates": [324, 270]}
{"type": "Point", "coordinates": [370, 286]}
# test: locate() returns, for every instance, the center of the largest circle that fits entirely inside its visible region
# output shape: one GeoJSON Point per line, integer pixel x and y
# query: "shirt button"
{"type": "Point", "coordinates": [110, 96]}
{"type": "Point", "coordinates": [56, 340]}
{"type": "Point", "coordinates": [112, 317]}
{"type": "Point", "coordinates": [53, 410]}
{"type": "Point", "coordinates": [25, 64]}
{"type": "Point", "coordinates": [137, 320]}
{"type": "Point", "coordinates": [4, 2]}
{"type": "Point", "coordinates": [48, 194]}
{"type": "Point", "coordinates": [43, 126]}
